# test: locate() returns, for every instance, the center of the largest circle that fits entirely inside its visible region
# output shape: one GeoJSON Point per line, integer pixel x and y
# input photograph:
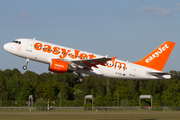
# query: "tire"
{"type": "Point", "coordinates": [24, 67]}
{"type": "Point", "coordinates": [80, 80]}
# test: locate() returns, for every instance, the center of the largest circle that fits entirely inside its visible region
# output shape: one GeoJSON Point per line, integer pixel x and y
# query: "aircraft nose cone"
{"type": "Point", "coordinates": [5, 47]}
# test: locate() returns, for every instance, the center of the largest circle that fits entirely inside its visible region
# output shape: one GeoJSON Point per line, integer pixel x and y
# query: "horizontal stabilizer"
{"type": "Point", "coordinates": [158, 73]}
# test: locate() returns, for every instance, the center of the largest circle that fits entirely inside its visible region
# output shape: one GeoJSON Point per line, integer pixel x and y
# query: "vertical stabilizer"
{"type": "Point", "coordinates": [157, 58]}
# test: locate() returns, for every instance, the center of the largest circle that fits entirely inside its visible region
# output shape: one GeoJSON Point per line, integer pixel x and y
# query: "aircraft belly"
{"type": "Point", "coordinates": [95, 71]}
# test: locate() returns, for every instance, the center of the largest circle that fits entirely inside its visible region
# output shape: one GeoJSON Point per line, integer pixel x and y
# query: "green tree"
{"type": "Point", "coordinates": [2, 82]}
{"type": "Point", "coordinates": [122, 92]}
{"type": "Point", "coordinates": [39, 91]}
{"type": "Point", "coordinates": [98, 101]}
{"type": "Point", "coordinates": [13, 88]}
{"type": "Point", "coordinates": [31, 77]}
{"type": "Point", "coordinates": [65, 91]}
{"type": "Point", "coordinates": [171, 96]}
{"type": "Point", "coordinates": [49, 92]}
{"type": "Point", "coordinates": [7, 73]}
{"type": "Point", "coordinates": [26, 90]}
{"type": "Point", "coordinates": [78, 94]}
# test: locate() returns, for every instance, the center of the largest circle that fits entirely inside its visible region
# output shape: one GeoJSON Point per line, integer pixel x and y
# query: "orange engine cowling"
{"type": "Point", "coordinates": [59, 66]}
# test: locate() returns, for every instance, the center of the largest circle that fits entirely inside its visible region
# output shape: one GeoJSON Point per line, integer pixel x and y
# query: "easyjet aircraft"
{"type": "Point", "coordinates": [63, 59]}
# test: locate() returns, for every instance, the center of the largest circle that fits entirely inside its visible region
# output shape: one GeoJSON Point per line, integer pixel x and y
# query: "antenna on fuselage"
{"type": "Point", "coordinates": [34, 38]}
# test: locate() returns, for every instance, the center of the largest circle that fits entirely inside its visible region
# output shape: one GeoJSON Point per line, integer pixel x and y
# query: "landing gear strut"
{"type": "Point", "coordinates": [25, 66]}
{"type": "Point", "coordinates": [80, 78]}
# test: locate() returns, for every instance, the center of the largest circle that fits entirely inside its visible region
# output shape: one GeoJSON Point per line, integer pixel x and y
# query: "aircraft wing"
{"type": "Point", "coordinates": [90, 62]}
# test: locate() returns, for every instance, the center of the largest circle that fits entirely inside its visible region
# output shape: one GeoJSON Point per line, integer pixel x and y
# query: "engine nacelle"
{"type": "Point", "coordinates": [59, 66]}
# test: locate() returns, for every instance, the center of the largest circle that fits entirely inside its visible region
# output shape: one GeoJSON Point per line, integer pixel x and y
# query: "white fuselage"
{"type": "Point", "coordinates": [44, 52]}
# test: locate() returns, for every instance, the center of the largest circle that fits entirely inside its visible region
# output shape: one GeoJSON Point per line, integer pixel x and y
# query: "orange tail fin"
{"type": "Point", "coordinates": [157, 58]}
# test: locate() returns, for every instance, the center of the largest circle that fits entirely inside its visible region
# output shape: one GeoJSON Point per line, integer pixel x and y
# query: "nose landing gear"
{"type": "Point", "coordinates": [25, 66]}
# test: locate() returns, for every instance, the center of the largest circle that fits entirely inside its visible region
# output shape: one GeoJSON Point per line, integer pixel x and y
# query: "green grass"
{"type": "Point", "coordinates": [90, 115]}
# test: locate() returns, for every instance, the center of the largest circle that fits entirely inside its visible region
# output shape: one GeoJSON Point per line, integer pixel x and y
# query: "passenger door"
{"type": "Point", "coordinates": [30, 45]}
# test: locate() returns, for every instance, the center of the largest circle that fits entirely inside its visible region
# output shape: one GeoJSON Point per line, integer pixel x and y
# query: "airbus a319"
{"type": "Point", "coordinates": [63, 59]}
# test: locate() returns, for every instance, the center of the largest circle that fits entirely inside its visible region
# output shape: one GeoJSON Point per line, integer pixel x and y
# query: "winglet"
{"type": "Point", "coordinates": [157, 58]}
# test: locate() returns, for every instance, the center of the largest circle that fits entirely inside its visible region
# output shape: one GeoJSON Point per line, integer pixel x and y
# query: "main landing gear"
{"type": "Point", "coordinates": [25, 66]}
{"type": "Point", "coordinates": [80, 79]}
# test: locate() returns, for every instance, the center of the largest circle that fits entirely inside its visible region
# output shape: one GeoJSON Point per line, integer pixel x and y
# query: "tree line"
{"type": "Point", "coordinates": [16, 87]}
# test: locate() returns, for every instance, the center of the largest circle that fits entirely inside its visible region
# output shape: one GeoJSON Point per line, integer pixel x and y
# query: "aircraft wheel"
{"type": "Point", "coordinates": [24, 67]}
{"type": "Point", "coordinates": [80, 80]}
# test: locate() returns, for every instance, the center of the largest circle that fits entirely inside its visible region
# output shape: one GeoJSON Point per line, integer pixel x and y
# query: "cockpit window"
{"type": "Point", "coordinates": [17, 42]}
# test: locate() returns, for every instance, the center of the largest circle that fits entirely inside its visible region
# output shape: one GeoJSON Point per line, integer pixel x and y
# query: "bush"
{"type": "Point", "coordinates": [8, 103]}
{"type": "Point", "coordinates": [125, 103]}
{"type": "Point", "coordinates": [41, 104]}
{"type": "Point", "coordinates": [21, 103]}
{"type": "Point", "coordinates": [156, 106]}
{"type": "Point", "coordinates": [87, 106]}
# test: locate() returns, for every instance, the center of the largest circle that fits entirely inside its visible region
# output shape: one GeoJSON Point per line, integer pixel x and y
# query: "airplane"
{"type": "Point", "coordinates": [64, 59]}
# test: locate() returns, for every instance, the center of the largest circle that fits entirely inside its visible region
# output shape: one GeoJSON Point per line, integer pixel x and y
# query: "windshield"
{"type": "Point", "coordinates": [17, 42]}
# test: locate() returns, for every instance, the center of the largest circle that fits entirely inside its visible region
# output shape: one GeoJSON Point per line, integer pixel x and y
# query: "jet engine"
{"type": "Point", "coordinates": [59, 66]}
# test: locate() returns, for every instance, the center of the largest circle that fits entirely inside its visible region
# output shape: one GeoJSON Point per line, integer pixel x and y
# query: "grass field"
{"type": "Point", "coordinates": [90, 115]}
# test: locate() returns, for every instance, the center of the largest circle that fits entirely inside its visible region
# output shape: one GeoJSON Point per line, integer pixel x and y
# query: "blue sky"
{"type": "Point", "coordinates": [128, 29]}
